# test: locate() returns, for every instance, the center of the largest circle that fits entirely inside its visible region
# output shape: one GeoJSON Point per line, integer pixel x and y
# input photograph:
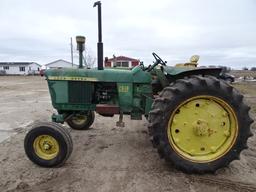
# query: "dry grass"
{"type": "Point", "coordinates": [242, 73]}
{"type": "Point", "coordinates": [247, 88]}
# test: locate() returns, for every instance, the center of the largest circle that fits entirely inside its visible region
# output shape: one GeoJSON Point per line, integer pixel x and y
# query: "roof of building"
{"type": "Point", "coordinates": [18, 63]}
{"type": "Point", "coordinates": [62, 60]}
{"type": "Point", "coordinates": [122, 58]}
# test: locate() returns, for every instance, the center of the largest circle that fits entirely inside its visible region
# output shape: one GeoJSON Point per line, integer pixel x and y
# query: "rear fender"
{"type": "Point", "coordinates": [199, 71]}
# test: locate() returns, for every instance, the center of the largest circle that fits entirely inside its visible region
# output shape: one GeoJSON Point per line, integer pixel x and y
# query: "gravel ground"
{"type": "Point", "coordinates": [105, 158]}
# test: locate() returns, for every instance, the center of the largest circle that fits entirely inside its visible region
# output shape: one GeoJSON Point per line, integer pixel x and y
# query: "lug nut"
{"type": "Point", "coordinates": [213, 149]}
{"type": "Point", "coordinates": [227, 133]}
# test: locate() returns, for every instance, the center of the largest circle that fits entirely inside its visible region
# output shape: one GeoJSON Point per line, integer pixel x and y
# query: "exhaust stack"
{"type": "Point", "coordinates": [100, 44]}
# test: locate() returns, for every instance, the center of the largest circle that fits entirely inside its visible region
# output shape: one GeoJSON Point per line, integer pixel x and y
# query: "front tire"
{"type": "Point", "coordinates": [199, 124]}
{"type": "Point", "coordinates": [81, 121]}
{"type": "Point", "coordinates": [48, 144]}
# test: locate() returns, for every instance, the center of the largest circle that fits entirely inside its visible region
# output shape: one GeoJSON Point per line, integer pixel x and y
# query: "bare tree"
{"type": "Point", "coordinates": [89, 58]}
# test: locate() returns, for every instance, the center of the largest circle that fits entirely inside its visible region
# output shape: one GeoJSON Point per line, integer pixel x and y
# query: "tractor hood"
{"type": "Point", "coordinates": [136, 75]}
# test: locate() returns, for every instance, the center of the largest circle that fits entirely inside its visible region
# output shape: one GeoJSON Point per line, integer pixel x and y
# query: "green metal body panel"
{"type": "Point", "coordinates": [180, 71]}
{"type": "Point", "coordinates": [175, 70]}
{"type": "Point", "coordinates": [125, 96]}
{"type": "Point", "coordinates": [74, 90]}
{"type": "Point", "coordinates": [162, 77]}
{"type": "Point", "coordinates": [131, 86]}
{"type": "Point", "coordinates": [136, 75]}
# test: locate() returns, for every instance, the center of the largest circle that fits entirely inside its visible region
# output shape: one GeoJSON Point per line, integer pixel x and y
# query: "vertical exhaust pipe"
{"type": "Point", "coordinates": [100, 44]}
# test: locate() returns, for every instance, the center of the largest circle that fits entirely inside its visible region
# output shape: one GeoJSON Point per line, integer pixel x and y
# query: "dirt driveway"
{"type": "Point", "coordinates": [105, 158]}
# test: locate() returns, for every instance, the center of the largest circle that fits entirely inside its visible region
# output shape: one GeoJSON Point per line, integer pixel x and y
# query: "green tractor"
{"type": "Point", "coordinates": [197, 122]}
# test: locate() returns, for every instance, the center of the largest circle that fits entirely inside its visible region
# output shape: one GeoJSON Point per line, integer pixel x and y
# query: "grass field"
{"type": "Point", "coordinates": [248, 89]}
{"type": "Point", "coordinates": [242, 73]}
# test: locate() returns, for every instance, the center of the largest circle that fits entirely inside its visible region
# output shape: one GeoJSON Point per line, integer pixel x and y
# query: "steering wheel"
{"type": "Point", "coordinates": [158, 61]}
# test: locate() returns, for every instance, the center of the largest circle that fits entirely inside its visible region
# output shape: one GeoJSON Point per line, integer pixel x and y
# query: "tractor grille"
{"type": "Point", "coordinates": [79, 92]}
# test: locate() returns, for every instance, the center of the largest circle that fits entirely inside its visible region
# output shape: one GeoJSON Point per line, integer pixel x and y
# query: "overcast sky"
{"type": "Point", "coordinates": [222, 32]}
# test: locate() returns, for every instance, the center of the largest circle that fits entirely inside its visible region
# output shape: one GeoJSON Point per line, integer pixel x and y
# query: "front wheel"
{"type": "Point", "coordinates": [48, 144]}
{"type": "Point", "coordinates": [81, 121]}
{"type": "Point", "coordinates": [200, 124]}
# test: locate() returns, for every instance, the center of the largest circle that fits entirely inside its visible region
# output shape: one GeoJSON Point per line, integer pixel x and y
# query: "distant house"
{"type": "Point", "coordinates": [20, 68]}
{"type": "Point", "coordinates": [60, 64]}
{"type": "Point", "coordinates": [121, 61]}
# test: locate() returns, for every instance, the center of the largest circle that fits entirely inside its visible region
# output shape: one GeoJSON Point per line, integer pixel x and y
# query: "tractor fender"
{"type": "Point", "coordinates": [195, 71]}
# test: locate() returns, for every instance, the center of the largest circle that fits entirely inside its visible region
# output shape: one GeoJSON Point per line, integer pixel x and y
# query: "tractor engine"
{"type": "Point", "coordinates": [105, 92]}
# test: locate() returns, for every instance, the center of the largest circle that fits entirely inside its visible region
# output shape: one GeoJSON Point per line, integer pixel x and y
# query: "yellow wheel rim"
{"type": "Point", "coordinates": [46, 147]}
{"type": "Point", "coordinates": [79, 119]}
{"type": "Point", "coordinates": [202, 129]}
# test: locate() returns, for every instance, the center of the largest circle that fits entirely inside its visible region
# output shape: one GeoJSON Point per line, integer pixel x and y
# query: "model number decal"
{"type": "Point", "coordinates": [61, 78]}
{"type": "Point", "coordinates": [123, 88]}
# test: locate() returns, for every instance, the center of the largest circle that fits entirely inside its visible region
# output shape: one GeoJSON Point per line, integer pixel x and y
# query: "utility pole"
{"type": "Point", "coordinates": [71, 49]}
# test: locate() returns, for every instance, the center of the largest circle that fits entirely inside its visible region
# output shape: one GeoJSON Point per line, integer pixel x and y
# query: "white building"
{"type": "Point", "coordinates": [60, 64]}
{"type": "Point", "coordinates": [20, 68]}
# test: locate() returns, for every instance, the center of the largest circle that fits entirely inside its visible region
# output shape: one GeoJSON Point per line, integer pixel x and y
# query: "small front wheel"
{"type": "Point", "coordinates": [81, 121]}
{"type": "Point", "coordinates": [48, 144]}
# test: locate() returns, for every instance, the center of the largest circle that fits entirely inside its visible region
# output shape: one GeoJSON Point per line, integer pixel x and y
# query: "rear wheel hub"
{"type": "Point", "coordinates": [202, 129]}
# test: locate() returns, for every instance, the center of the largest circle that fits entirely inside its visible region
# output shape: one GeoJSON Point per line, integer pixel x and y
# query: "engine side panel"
{"type": "Point", "coordinates": [71, 95]}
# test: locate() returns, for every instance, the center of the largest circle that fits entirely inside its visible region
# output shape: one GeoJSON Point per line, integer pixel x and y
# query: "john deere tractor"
{"type": "Point", "coordinates": [196, 121]}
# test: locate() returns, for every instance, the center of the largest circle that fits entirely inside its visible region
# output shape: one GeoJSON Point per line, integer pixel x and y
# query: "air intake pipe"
{"type": "Point", "coordinates": [100, 44]}
{"type": "Point", "coordinates": [80, 40]}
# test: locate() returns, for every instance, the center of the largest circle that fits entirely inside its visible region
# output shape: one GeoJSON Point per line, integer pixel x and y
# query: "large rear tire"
{"type": "Point", "coordinates": [48, 144]}
{"type": "Point", "coordinates": [199, 124]}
